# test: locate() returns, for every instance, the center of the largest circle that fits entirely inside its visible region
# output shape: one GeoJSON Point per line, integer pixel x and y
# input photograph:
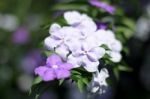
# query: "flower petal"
{"type": "Point", "coordinates": [101, 77]}
{"type": "Point", "coordinates": [49, 75]}
{"type": "Point", "coordinates": [115, 45]}
{"type": "Point", "coordinates": [66, 66]}
{"type": "Point", "coordinates": [45, 73]}
{"type": "Point", "coordinates": [72, 17]}
{"type": "Point", "coordinates": [62, 51]}
{"type": "Point", "coordinates": [40, 70]}
{"type": "Point", "coordinates": [51, 43]}
{"type": "Point", "coordinates": [115, 56]}
{"type": "Point", "coordinates": [54, 27]}
{"type": "Point", "coordinates": [74, 61]}
{"type": "Point", "coordinates": [62, 73]}
{"type": "Point", "coordinates": [92, 57]}
{"type": "Point", "coordinates": [88, 65]}
{"type": "Point", "coordinates": [99, 52]}
{"type": "Point", "coordinates": [53, 60]}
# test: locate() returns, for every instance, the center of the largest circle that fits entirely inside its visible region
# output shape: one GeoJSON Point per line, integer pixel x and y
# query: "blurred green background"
{"type": "Point", "coordinates": [24, 25]}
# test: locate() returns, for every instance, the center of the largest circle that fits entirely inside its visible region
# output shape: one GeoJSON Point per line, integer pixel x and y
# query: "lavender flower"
{"type": "Point", "coordinates": [103, 5]}
{"type": "Point", "coordinates": [54, 69]}
{"type": "Point", "coordinates": [20, 36]}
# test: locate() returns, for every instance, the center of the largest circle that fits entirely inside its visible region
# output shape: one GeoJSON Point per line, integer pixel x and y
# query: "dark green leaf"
{"type": "Point", "coordinates": [61, 81]}
{"type": "Point", "coordinates": [37, 80]}
{"type": "Point", "coordinates": [80, 85]}
{"type": "Point", "coordinates": [124, 68]}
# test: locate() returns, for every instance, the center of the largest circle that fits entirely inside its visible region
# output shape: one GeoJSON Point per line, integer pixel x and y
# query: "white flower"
{"type": "Point", "coordinates": [115, 56]}
{"type": "Point", "coordinates": [107, 38]}
{"type": "Point", "coordinates": [87, 56]}
{"type": "Point", "coordinates": [61, 39]}
{"type": "Point", "coordinates": [54, 28]}
{"type": "Point", "coordinates": [99, 81]}
{"type": "Point", "coordinates": [80, 21]}
{"type": "Point", "coordinates": [115, 45]}
{"type": "Point", "coordinates": [104, 36]}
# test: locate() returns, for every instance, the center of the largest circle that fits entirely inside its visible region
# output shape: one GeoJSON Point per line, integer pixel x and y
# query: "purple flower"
{"type": "Point", "coordinates": [54, 69]}
{"type": "Point", "coordinates": [21, 36]}
{"type": "Point", "coordinates": [101, 25]}
{"type": "Point", "coordinates": [104, 6]}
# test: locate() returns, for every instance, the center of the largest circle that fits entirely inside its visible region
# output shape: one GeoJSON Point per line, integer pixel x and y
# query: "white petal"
{"type": "Point", "coordinates": [115, 56]}
{"type": "Point", "coordinates": [92, 57]}
{"type": "Point", "coordinates": [51, 43]}
{"type": "Point", "coordinates": [72, 17]}
{"type": "Point", "coordinates": [54, 28]}
{"type": "Point", "coordinates": [74, 60]}
{"type": "Point", "coordinates": [87, 26]}
{"type": "Point", "coordinates": [95, 89]}
{"type": "Point", "coordinates": [115, 45]}
{"type": "Point", "coordinates": [99, 52]}
{"type": "Point", "coordinates": [90, 66]}
{"type": "Point", "coordinates": [101, 77]}
{"type": "Point", "coordinates": [104, 36]}
{"type": "Point", "coordinates": [62, 51]}
{"type": "Point", "coordinates": [74, 45]}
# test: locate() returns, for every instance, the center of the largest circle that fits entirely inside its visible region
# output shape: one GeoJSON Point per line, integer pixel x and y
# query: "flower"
{"type": "Point", "coordinates": [99, 81]}
{"type": "Point", "coordinates": [54, 69]}
{"type": "Point", "coordinates": [103, 5]}
{"type": "Point", "coordinates": [20, 36]}
{"type": "Point", "coordinates": [87, 56]}
{"type": "Point", "coordinates": [80, 21]}
{"type": "Point", "coordinates": [107, 38]}
{"type": "Point", "coordinates": [101, 25]}
{"type": "Point", "coordinates": [61, 39]}
{"type": "Point", "coordinates": [115, 56]}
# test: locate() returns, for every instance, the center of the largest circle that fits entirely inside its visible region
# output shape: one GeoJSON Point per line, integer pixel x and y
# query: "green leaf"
{"type": "Point", "coordinates": [37, 80]}
{"type": "Point", "coordinates": [129, 23]}
{"type": "Point", "coordinates": [126, 50]}
{"type": "Point", "coordinates": [61, 82]}
{"type": "Point", "coordinates": [37, 96]}
{"type": "Point", "coordinates": [76, 72]}
{"type": "Point", "coordinates": [125, 68]}
{"type": "Point", "coordinates": [81, 7]}
{"type": "Point", "coordinates": [105, 47]}
{"type": "Point", "coordinates": [48, 53]}
{"type": "Point", "coordinates": [80, 85]}
{"type": "Point", "coordinates": [116, 72]}
{"type": "Point", "coordinates": [85, 81]}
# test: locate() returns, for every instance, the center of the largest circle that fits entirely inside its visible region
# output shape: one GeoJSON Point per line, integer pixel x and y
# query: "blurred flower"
{"type": "Point", "coordinates": [101, 25]}
{"type": "Point", "coordinates": [54, 68]}
{"type": "Point", "coordinates": [8, 22]}
{"type": "Point", "coordinates": [25, 82]}
{"type": "Point", "coordinates": [20, 36]}
{"type": "Point", "coordinates": [48, 95]}
{"type": "Point", "coordinates": [30, 61]}
{"type": "Point", "coordinates": [99, 81]}
{"type": "Point", "coordinates": [142, 28]}
{"type": "Point", "coordinates": [103, 5]}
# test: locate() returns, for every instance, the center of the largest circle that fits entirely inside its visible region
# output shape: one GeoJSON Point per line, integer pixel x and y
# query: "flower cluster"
{"type": "Point", "coordinates": [80, 44]}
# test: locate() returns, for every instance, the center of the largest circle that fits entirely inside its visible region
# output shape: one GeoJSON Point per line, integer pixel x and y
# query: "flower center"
{"type": "Point", "coordinates": [85, 52]}
{"type": "Point", "coordinates": [54, 66]}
